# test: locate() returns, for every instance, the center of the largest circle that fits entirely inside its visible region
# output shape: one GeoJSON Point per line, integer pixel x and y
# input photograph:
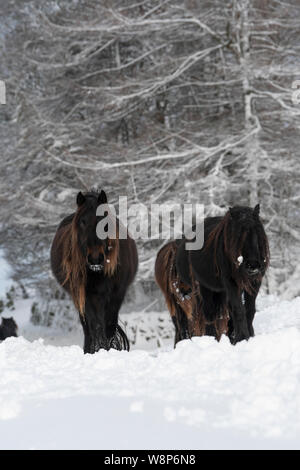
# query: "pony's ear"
{"type": "Point", "coordinates": [256, 210]}
{"type": "Point", "coordinates": [102, 198]}
{"type": "Point", "coordinates": [80, 199]}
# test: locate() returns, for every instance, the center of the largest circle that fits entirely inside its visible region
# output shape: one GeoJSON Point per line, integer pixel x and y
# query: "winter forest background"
{"type": "Point", "coordinates": [162, 101]}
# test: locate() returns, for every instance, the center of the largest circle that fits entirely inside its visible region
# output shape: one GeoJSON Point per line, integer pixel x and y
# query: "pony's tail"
{"type": "Point", "coordinates": [120, 340]}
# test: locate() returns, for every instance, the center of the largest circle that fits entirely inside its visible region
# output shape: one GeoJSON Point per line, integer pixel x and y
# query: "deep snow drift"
{"type": "Point", "coordinates": [203, 394]}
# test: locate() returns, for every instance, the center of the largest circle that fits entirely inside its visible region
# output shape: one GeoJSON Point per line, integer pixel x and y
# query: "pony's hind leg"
{"type": "Point", "coordinates": [182, 331]}
{"type": "Point", "coordinates": [211, 302]}
{"type": "Point", "coordinates": [210, 330]}
{"type": "Point", "coordinates": [213, 310]}
{"type": "Point", "coordinates": [220, 324]}
{"type": "Point", "coordinates": [177, 332]}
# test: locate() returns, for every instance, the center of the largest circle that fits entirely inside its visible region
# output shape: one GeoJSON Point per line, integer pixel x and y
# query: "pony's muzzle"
{"type": "Point", "coordinates": [253, 269]}
{"type": "Point", "coordinates": [95, 264]}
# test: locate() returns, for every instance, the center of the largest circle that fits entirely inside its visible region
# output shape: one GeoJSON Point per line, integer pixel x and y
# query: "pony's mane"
{"type": "Point", "coordinates": [74, 262]}
{"type": "Point", "coordinates": [233, 243]}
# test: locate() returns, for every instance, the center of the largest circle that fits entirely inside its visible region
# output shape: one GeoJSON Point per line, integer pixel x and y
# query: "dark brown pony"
{"type": "Point", "coordinates": [222, 279]}
{"type": "Point", "coordinates": [95, 271]}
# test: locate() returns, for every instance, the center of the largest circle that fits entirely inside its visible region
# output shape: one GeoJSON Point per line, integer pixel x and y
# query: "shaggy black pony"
{"type": "Point", "coordinates": [8, 328]}
{"type": "Point", "coordinates": [228, 270]}
{"type": "Point", "coordinates": [183, 298]}
{"type": "Point", "coordinates": [95, 271]}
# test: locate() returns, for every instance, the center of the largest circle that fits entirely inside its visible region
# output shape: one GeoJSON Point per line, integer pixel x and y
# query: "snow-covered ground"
{"type": "Point", "coordinates": [203, 394]}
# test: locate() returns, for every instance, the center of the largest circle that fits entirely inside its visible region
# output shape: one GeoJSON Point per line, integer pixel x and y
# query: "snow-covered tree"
{"type": "Point", "coordinates": [160, 101]}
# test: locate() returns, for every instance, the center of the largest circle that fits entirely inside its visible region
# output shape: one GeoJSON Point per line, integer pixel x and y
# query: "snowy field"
{"type": "Point", "coordinates": [202, 395]}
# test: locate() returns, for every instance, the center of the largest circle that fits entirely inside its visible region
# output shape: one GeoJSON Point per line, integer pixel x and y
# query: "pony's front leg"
{"type": "Point", "coordinates": [239, 325]}
{"type": "Point", "coordinates": [250, 306]}
{"type": "Point", "coordinates": [87, 338]}
{"type": "Point", "coordinates": [116, 337]}
{"type": "Point", "coordinates": [93, 325]}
